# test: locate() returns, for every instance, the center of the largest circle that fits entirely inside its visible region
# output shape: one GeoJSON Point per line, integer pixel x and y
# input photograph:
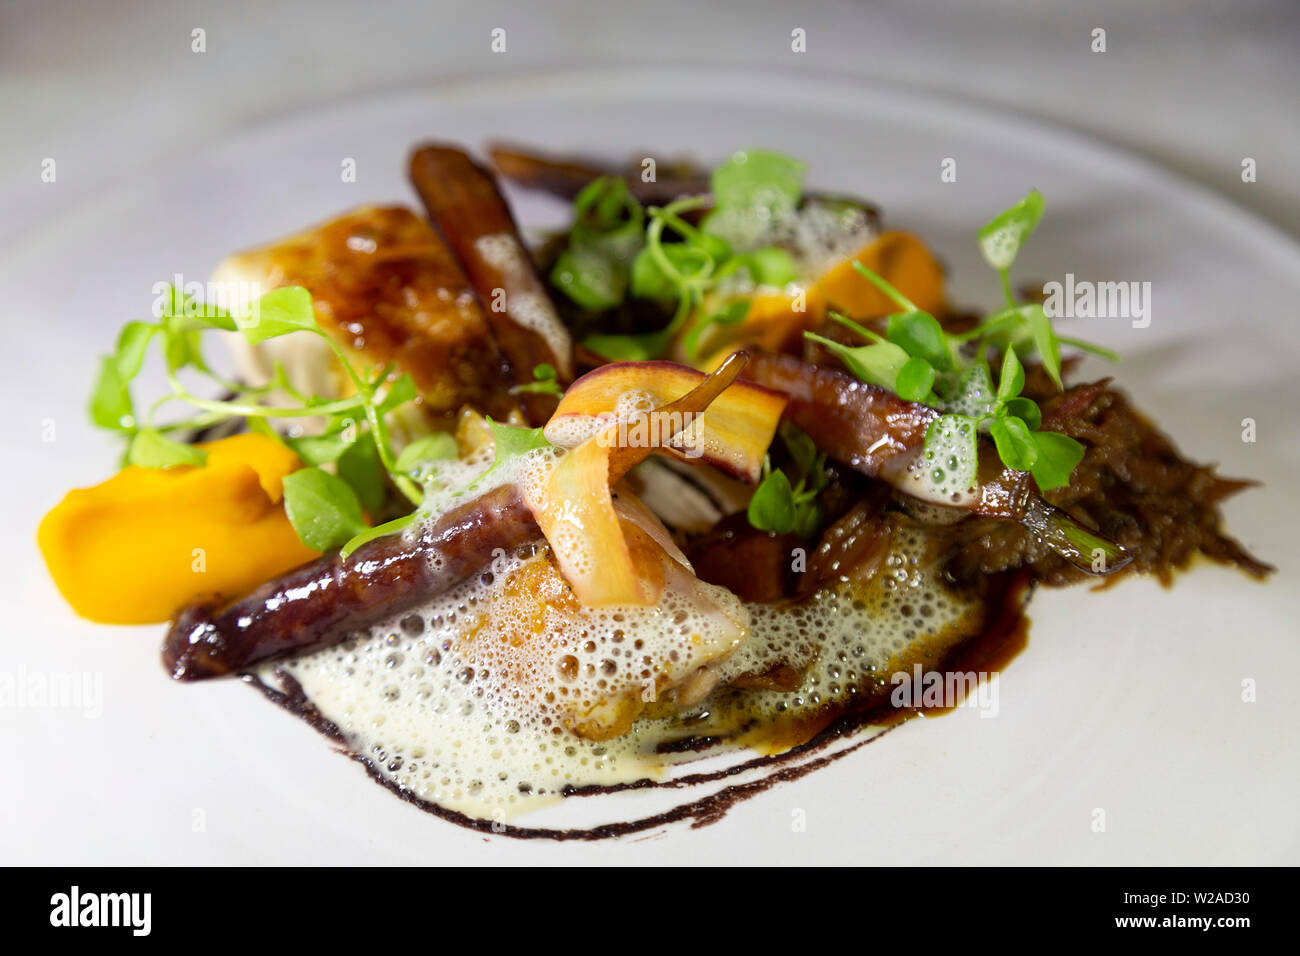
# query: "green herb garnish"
{"type": "Point", "coordinates": [1002, 236]}
{"type": "Point", "coordinates": [616, 249]}
{"type": "Point", "coordinates": [543, 383]}
{"type": "Point", "coordinates": [151, 450]}
{"type": "Point", "coordinates": [751, 190]}
{"type": "Point", "coordinates": [416, 457]}
{"type": "Point", "coordinates": [920, 362]}
{"type": "Point", "coordinates": [606, 235]}
{"type": "Point", "coordinates": [378, 531]}
{"type": "Point", "coordinates": [780, 507]}
{"type": "Point", "coordinates": [322, 508]}
{"type": "Point", "coordinates": [510, 442]}
{"type": "Point", "coordinates": [325, 509]}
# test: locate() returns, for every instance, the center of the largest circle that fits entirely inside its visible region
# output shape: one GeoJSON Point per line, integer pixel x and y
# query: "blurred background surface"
{"type": "Point", "coordinates": [112, 90]}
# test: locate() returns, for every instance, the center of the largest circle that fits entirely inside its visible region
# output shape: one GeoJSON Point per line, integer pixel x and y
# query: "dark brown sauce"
{"type": "Point", "coordinates": [1002, 634]}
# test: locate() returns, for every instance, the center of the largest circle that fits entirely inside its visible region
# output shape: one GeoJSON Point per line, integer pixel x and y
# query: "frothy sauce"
{"type": "Point", "coordinates": [468, 706]}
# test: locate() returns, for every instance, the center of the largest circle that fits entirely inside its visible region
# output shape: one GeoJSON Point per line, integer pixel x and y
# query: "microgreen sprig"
{"type": "Point", "coordinates": [325, 509]}
{"type": "Point", "coordinates": [543, 383]}
{"type": "Point", "coordinates": [782, 508]}
{"type": "Point", "coordinates": [919, 361]}
{"type": "Point", "coordinates": [606, 235]}
{"type": "Point", "coordinates": [674, 261]}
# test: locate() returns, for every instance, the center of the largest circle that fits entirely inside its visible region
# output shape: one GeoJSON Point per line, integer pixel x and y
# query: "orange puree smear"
{"type": "Point", "coordinates": [146, 542]}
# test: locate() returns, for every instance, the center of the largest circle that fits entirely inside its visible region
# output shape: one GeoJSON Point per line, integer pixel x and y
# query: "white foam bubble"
{"type": "Point", "coordinates": [471, 701]}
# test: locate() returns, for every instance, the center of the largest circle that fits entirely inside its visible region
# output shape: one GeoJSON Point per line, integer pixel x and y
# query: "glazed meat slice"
{"type": "Point", "coordinates": [879, 435]}
{"type": "Point", "coordinates": [319, 603]}
{"type": "Point", "coordinates": [387, 289]}
{"type": "Point", "coordinates": [469, 212]}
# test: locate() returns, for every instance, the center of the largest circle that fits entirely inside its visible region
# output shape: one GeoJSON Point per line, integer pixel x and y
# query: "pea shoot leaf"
{"type": "Point", "coordinates": [132, 343]}
{"type": "Point", "coordinates": [973, 394]}
{"type": "Point", "coordinates": [751, 191]}
{"type": "Point", "coordinates": [915, 380]}
{"type": "Point", "coordinates": [591, 276]}
{"type": "Point", "coordinates": [149, 449]}
{"type": "Point", "coordinates": [952, 452]}
{"type": "Point", "coordinates": [1058, 456]}
{"type": "Point", "coordinates": [511, 442]}
{"type": "Point", "coordinates": [651, 281]}
{"type": "Point", "coordinates": [920, 335]}
{"type": "Point", "coordinates": [1002, 236]}
{"type": "Point", "coordinates": [360, 467]}
{"type": "Point", "coordinates": [425, 451]}
{"type": "Point", "coordinates": [1026, 410]}
{"type": "Point", "coordinates": [772, 508]}
{"type": "Point", "coordinates": [606, 235]}
{"type": "Point", "coordinates": [399, 393]}
{"type": "Point", "coordinates": [277, 313]}
{"type": "Point", "coordinates": [877, 364]}
{"type": "Point", "coordinates": [1012, 379]}
{"type": "Point", "coordinates": [804, 451]}
{"type": "Point", "coordinates": [1015, 443]}
{"type": "Point", "coordinates": [322, 508]}
{"type": "Point", "coordinates": [758, 179]}
{"type": "Point", "coordinates": [543, 383]}
{"type": "Point", "coordinates": [378, 531]}
{"type": "Point", "coordinates": [1045, 341]}
{"type": "Point", "coordinates": [110, 400]}
{"type": "Point", "coordinates": [322, 449]}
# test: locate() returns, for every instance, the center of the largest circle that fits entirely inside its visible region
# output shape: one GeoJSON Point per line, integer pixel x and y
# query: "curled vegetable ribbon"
{"type": "Point", "coordinates": [714, 419]}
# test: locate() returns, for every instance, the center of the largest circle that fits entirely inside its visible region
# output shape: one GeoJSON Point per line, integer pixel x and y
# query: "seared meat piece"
{"type": "Point", "coordinates": [386, 287]}
{"type": "Point", "coordinates": [753, 564]}
{"type": "Point", "coordinates": [880, 435]}
{"type": "Point", "coordinates": [469, 211]}
{"type": "Point", "coordinates": [321, 602]}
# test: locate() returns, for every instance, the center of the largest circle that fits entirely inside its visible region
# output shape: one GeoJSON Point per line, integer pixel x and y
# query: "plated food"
{"type": "Point", "coordinates": [694, 479]}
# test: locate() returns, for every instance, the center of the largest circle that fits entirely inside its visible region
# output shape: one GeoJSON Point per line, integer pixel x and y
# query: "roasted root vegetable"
{"type": "Point", "coordinates": [470, 213]}
{"type": "Point", "coordinates": [673, 408]}
{"type": "Point", "coordinates": [732, 433]}
{"type": "Point", "coordinates": [320, 602]}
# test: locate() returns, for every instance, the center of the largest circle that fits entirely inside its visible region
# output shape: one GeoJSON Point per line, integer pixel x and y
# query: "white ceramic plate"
{"type": "Point", "coordinates": [1129, 702]}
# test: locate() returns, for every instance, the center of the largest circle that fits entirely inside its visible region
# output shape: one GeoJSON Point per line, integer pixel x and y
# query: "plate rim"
{"type": "Point", "coordinates": [604, 81]}
{"type": "Point", "coordinates": [245, 136]}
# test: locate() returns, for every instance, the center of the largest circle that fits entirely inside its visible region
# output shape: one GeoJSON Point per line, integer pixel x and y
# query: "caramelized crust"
{"type": "Point", "coordinates": [470, 214]}
{"type": "Point", "coordinates": [387, 288]}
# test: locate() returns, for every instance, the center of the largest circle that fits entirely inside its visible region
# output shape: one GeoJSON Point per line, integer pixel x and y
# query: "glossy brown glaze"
{"type": "Point", "coordinates": [878, 434]}
{"type": "Point", "coordinates": [466, 208]}
{"type": "Point", "coordinates": [322, 602]}
{"type": "Point", "coordinates": [862, 426]}
{"type": "Point", "coordinates": [387, 289]}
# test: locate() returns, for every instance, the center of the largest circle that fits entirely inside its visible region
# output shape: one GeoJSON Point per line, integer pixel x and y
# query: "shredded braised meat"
{"type": "Point", "coordinates": [1133, 487]}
